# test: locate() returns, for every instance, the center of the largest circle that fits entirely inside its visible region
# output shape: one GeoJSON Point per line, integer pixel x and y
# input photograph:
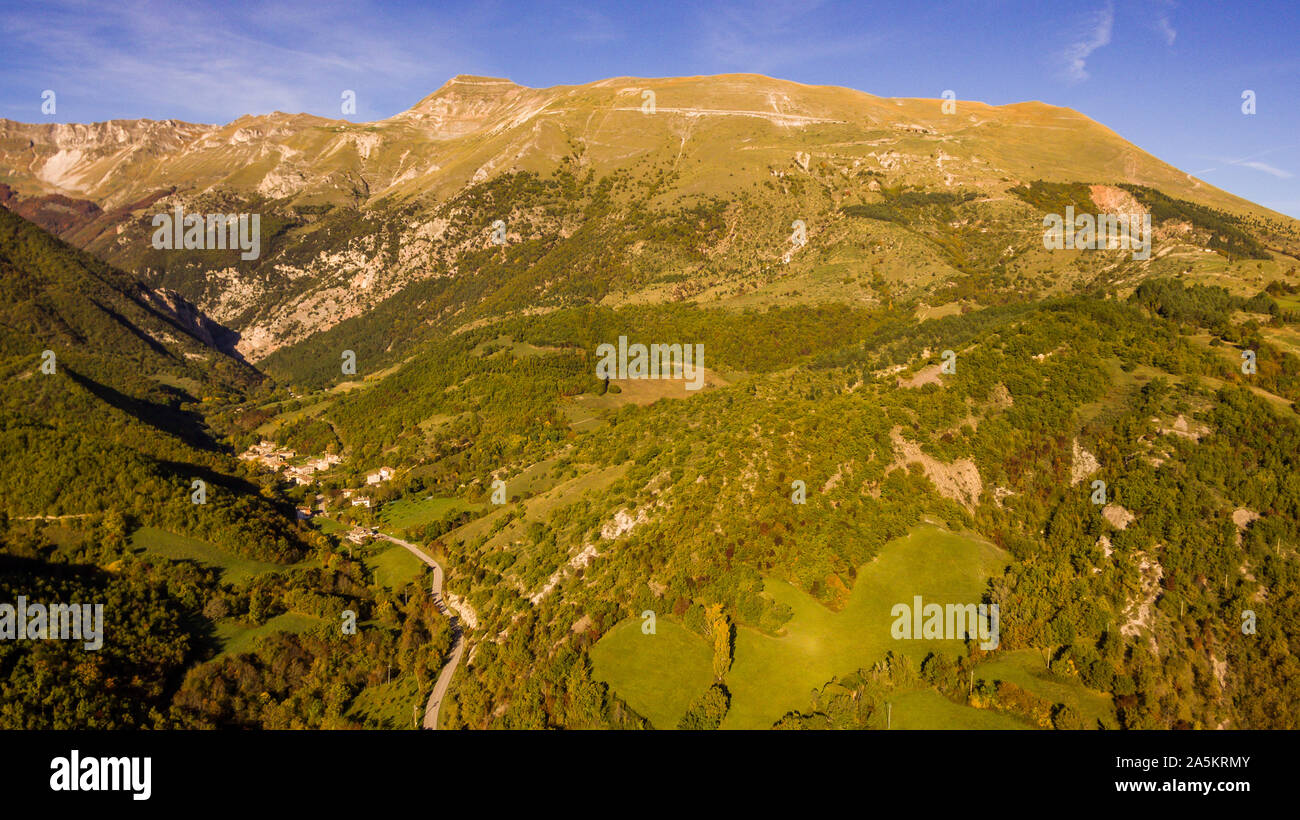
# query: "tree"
{"type": "Point", "coordinates": [708, 710]}
{"type": "Point", "coordinates": [721, 629]}
{"type": "Point", "coordinates": [1064, 717]}
{"type": "Point", "coordinates": [114, 526]}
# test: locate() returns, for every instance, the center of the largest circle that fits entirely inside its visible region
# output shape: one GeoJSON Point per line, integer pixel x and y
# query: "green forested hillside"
{"type": "Point", "coordinates": [904, 388]}
{"type": "Point", "coordinates": [109, 442]}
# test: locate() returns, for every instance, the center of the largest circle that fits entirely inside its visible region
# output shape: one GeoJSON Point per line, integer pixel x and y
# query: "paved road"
{"type": "Point", "coordinates": [458, 638]}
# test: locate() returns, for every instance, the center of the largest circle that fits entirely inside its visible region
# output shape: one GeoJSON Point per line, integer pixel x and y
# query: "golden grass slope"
{"type": "Point", "coordinates": [732, 126]}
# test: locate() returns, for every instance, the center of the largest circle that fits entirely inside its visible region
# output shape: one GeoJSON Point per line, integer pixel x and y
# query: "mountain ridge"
{"type": "Point", "coordinates": [356, 213]}
{"type": "Point", "coordinates": [65, 173]}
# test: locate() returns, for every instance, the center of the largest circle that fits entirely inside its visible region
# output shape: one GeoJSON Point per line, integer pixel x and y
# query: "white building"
{"type": "Point", "coordinates": [384, 474]}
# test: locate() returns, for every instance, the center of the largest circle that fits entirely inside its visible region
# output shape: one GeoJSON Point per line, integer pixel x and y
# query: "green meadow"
{"type": "Point", "coordinates": [404, 513]}
{"type": "Point", "coordinates": [236, 636]}
{"type": "Point", "coordinates": [234, 568]}
{"type": "Point", "coordinates": [772, 675]}
{"type": "Point", "coordinates": [927, 709]}
{"type": "Point", "coordinates": [658, 675]}
{"type": "Point", "coordinates": [271, 425]}
{"type": "Point", "coordinates": [328, 525]}
{"type": "Point", "coordinates": [388, 705]}
{"type": "Point", "coordinates": [1025, 669]}
{"type": "Point", "coordinates": [393, 565]}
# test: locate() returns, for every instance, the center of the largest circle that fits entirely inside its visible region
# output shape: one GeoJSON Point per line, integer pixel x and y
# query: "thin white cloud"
{"type": "Point", "coordinates": [1166, 30]}
{"type": "Point", "coordinates": [1266, 168]}
{"type": "Point", "coordinates": [593, 27]}
{"type": "Point", "coordinates": [1075, 56]}
{"type": "Point", "coordinates": [202, 66]}
{"type": "Point", "coordinates": [1251, 162]}
{"type": "Point", "coordinates": [1162, 25]}
{"type": "Point", "coordinates": [765, 37]}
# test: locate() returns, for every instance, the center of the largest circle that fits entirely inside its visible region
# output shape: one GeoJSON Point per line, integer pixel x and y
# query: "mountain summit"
{"type": "Point", "coordinates": [358, 212]}
{"type": "Point", "coordinates": [474, 125]}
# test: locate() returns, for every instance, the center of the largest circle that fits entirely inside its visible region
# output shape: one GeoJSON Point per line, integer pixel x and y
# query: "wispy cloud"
{"type": "Point", "coordinates": [1252, 163]}
{"type": "Point", "coordinates": [208, 64]}
{"type": "Point", "coordinates": [765, 37]}
{"type": "Point", "coordinates": [1266, 168]}
{"type": "Point", "coordinates": [593, 27]}
{"type": "Point", "coordinates": [1075, 56]}
{"type": "Point", "coordinates": [1162, 24]}
{"type": "Point", "coordinates": [1166, 30]}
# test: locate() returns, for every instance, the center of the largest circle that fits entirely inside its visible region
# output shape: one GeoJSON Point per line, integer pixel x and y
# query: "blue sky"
{"type": "Point", "coordinates": [1166, 75]}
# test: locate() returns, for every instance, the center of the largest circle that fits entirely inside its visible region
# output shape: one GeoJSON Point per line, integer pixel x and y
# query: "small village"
{"type": "Point", "coordinates": [302, 473]}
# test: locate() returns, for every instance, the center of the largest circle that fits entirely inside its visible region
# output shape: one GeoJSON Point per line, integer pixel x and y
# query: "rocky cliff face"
{"type": "Point", "coordinates": [107, 162]}
{"type": "Point", "coordinates": [176, 308]}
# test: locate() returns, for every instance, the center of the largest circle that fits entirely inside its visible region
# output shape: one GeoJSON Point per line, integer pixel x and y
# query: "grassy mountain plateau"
{"type": "Point", "coordinates": [264, 467]}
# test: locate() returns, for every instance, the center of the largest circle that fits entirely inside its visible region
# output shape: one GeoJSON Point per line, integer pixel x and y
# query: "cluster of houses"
{"type": "Point", "coordinates": [301, 473]}
{"type": "Point", "coordinates": [264, 453]}
{"type": "Point", "coordinates": [268, 455]}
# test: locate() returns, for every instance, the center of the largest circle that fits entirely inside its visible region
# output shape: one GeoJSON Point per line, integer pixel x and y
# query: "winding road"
{"type": "Point", "coordinates": [458, 637]}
